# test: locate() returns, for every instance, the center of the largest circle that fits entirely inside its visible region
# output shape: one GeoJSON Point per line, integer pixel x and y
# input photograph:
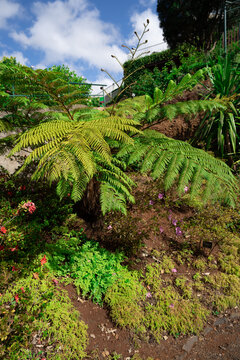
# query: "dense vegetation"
{"type": "Point", "coordinates": [83, 166]}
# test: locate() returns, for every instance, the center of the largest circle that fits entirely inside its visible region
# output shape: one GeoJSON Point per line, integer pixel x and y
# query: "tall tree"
{"type": "Point", "coordinates": [191, 21]}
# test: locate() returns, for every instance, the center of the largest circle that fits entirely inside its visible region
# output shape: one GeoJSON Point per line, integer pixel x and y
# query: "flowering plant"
{"type": "Point", "coordinates": [10, 235]}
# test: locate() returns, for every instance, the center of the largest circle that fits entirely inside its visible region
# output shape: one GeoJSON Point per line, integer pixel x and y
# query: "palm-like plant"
{"type": "Point", "coordinates": [218, 129]}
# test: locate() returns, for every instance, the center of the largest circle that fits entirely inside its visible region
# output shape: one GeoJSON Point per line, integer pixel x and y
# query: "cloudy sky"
{"type": "Point", "coordinates": [82, 34]}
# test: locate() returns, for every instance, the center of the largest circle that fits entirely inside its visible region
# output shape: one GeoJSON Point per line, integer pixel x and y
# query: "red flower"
{"type": "Point", "coordinates": [1, 247]}
{"type": "Point", "coordinates": [43, 260]}
{"type": "Point", "coordinates": [16, 297]}
{"type": "Point", "coordinates": [22, 187]}
{"type": "Point", "coordinates": [22, 288]}
{"type": "Point", "coordinates": [3, 230]}
{"type": "Point", "coordinates": [9, 193]}
{"type": "Point", "coordinates": [14, 269]}
{"type": "Point", "coordinates": [55, 281]}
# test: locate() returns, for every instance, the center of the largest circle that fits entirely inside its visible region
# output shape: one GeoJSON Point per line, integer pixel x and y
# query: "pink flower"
{"type": "Point", "coordinates": [151, 202]}
{"type": "Point", "coordinates": [161, 229]}
{"type": "Point", "coordinates": [109, 227]}
{"type": "Point", "coordinates": [171, 306]}
{"type": "Point", "coordinates": [174, 270]}
{"type": "Point", "coordinates": [178, 231]}
{"type": "Point", "coordinates": [55, 281]}
{"type": "Point", "coordinates": [186, 188]}
{"type": "Point", "coordinates": [30, 206]}
{"type": "Point", "coordinates": [148, 295]}
{"type": "Point", "coordinates": [174, 222]}
{"type": "Point", "coordinates": [3, 230]}
{"type": "Point", "coordinates": [43, 260]}
{"type": "Point", "coordinates": [14, 249]}
{"type": "Point", "coordinates": [160, 196]}
{"type": "Point", "coordinates": [22, 288]}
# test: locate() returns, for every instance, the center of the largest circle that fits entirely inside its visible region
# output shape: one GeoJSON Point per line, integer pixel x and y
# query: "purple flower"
{"type": "Point", "coordinates": [109, 227]}
{"type": "Point", "coordinates": [178, 231]}
{"type": "Point", "coordinates": [151, 202]}
{"type": "Point", "coordinates": [160, 196]}
{"type": "Point", "coordinates": [171, 306]}
{"type": "Point", "coordinates": [148, 295]}
{"type": "Point", "coordinates": [186, 188]}
{"type": "Point", "coordinates": [174, 270]}
{"type": "Point", "coordinates": [161, 229]}
{"type": "Point", "coordinates": [174, 222]}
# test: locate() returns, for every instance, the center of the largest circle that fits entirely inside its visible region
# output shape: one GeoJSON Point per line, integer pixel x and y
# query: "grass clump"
{"type": "Point", "coordinates": [170, 311]}
{"type": "Point", "coordinates": [124, 299]}
{"type": "Point", "coordinates": [226, 294]}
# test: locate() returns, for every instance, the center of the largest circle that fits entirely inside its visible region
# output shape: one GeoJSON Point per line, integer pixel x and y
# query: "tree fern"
{"type": "Point", "coordinates": [177, 162]}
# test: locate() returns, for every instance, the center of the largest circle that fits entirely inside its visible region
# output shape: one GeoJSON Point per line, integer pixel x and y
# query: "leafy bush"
{"type": "Point", "coordinates": [32, 307]}
{"type": "Point", "coordinates": [92, 268]}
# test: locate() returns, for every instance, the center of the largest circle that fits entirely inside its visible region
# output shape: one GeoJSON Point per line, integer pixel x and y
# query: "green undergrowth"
{"type": "Point", "coordinates": [32, 308]}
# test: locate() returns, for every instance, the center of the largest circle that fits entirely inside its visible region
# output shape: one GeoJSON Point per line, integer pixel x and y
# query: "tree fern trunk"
{"type": "Point", "coordinates": [89, 208]}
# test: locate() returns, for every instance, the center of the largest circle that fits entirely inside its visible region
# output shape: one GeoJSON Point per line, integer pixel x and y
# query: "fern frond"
{"type": "Point", "coordinates": [179, 163]}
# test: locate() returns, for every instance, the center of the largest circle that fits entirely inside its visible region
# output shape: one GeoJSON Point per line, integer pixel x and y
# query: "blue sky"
{"type": "Point", "coordinates": [79, 33]}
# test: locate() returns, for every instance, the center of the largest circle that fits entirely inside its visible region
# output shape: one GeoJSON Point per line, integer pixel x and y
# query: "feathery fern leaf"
{"type": "Point", "coordinates": [178, 162]}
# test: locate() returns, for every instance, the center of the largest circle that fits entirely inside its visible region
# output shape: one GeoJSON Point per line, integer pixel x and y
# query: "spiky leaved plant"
{"type": "Point", "coordinates": [219, 131]}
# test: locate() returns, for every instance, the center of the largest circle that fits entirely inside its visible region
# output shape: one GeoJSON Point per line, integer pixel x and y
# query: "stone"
{"type": "Point", "coordinates": [207, 330]}
{"type": "Point", "coordinates": [189, 344]}
{"type": "Point", "coordinates": [235, 316]}
{"type": "Point", "coordinates": [220, 321]}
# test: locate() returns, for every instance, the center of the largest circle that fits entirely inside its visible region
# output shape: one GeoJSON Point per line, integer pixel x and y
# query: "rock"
{"type": "Point", "coordinates": [165, 337]}
{"type": "Point", "coordinates": [189, 344]}
{"type": "Point", "coordinates": [220, 321]}
{"type": "Point", "coordinates": [92, 336]}
{"type": "Point", "coordinates": [207, 330]}
{"type": "Point", "coordinates": [235, 316]}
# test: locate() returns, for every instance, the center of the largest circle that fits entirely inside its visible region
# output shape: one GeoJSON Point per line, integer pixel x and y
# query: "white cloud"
{"type": "Point", "coordinates": [8, 9]}
{"type": "Point", "coordinates": [154, 35]}
{"type": "Point", "coordinates": [72, 31]}
{"type": "Point", "coordinates": [18, 55]}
